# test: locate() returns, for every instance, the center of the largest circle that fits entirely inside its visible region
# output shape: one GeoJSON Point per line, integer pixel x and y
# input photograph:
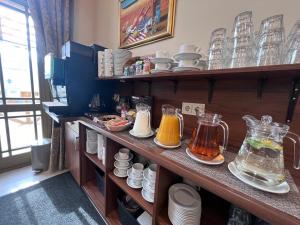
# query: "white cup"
{"type": "Point", "coordinates": [163, 66]}
{"type": "Point", "coordinates": [162, 54]}
{"type": "Point", "coordinates": [188, 63]}
{"type": "Point", "coordinates": [124, 153]}
{"type": "Point", "coordinates": [121, 172]}
{"type": "Point", "coordinates": [152, 172]}
{"type": "Point", "coordinates": [150, 186]}
{"type": "Point", "coordinates": [137, 170]}
{"type": "Point", "coordinates": [187, 48]}
{"type": "Point", "coordinates": [135, 182]}
{"type": "Point", "coordinates": [149, 194]}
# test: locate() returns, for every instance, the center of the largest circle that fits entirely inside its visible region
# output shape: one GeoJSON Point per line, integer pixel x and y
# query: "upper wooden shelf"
{"type": "Point", "coordinates": [290, 70]}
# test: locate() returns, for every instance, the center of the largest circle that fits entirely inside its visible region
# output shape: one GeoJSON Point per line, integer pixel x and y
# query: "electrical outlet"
{"type": "Point", "coordinates": [190, 108]}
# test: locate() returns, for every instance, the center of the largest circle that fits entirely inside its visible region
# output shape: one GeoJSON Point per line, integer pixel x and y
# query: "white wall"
{"type": "Point", "coordinates": [194, 21]}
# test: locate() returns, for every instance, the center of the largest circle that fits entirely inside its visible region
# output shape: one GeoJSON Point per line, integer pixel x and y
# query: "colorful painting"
{"type": "Point", "coordinates": [145, 21]}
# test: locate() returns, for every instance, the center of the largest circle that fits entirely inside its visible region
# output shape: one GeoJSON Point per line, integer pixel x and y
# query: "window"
{"type": "Point", "coordinates": [20, 115]}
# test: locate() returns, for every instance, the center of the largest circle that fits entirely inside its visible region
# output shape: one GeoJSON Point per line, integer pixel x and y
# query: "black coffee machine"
{"type": "Point", "coordinates": [73, 82]}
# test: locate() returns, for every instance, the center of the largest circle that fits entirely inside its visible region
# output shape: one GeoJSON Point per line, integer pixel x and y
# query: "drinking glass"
{"type": "Point", "coordinates": [269, 54]}
{"type": "Point", "coordinates": [242, 24]}
{"type": "Point", "coordinates": [217, 49]}
{"type": "Point", "coordinates": [271, 23]}
{"type": "Point", "coordinates": [291, 52]}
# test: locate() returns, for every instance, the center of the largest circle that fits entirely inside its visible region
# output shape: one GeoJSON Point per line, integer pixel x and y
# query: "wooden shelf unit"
{"type": "Point", "coordinates": [97, 198]}
{"type": "Point", "coordinates": [95, 160]}
{"type": "Point", "coordinates": [134, 193]}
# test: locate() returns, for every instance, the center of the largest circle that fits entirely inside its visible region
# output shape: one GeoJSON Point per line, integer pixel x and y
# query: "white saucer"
{"type": "Point", "coordinates": [161, 60]}
{"type": "Point", "coordinates": [278, 189]}
{"type": "Point", "coordinates": [122, 167]}
{"type": "Point", "coordinates": [118, 175]}
{"type": "Point", "coordinates": [178, 69]}
{"type": "Point", "coordinates": [165, 146]}
{"type": "Point", "coordinates": [132, 185]}
{"type": "Point", "coordinates": [186, 56]}
{"type": "Point", "coordinates": [138, 136]}
{"type": "Point", "coordinates": [146, 197]}
{"type": "Point", "coordinates": [160, 71]}
{"type": "Point", "coordinates": [116, 157]}
{"type": "Point", "coordinates": [216, 161]}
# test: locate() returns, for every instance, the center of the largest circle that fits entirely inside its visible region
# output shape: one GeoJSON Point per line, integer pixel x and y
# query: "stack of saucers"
{"type": "Point", "coordinates": [149, 176]}
{"type": "Point", "coordinates": [108, 63]}
{"type": "Point", "coordinates": [184, 205]}
{"type": "Point", "coordinates": [91, 142]}
{"type": "Point", "coordinates": [100, 64]}
{"type": "Point", "coordinates": [120, 57]}
{"type": "Point", "coordinates": [123, 162]}
{"type": "Point", "coordinates": [135, 176]}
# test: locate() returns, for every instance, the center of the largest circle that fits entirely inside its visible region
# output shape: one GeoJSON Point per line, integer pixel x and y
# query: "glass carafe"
{"type": "Point", "coordinates": [205, 141]}
{"type": "Point", "coordinates": [142, 124]}
{"type": "Point", "coordinates": [260, 158]}
{"type": "Point", "coordinates": [170, 130]}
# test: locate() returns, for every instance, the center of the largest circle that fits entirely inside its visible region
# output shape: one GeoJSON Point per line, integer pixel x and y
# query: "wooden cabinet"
{"type": "Point", "coordinates": [72, 149]}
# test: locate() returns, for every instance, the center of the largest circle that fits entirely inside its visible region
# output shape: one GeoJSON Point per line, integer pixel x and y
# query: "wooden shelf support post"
{"type": "Point", "coordinates": [294, 94]}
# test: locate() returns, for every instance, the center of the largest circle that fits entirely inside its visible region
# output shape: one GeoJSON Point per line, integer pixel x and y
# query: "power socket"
{"type": "Point", "coordinates": [190, 108]}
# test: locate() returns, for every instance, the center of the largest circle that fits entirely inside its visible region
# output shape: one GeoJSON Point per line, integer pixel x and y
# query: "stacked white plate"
{"type": "Point", "coordinates": [108, 63]}
{"type": "Point", "coordinates": [184, 205]}
{"type": "Point", "coordinates": [91, 142]}
{"type": "Point", "coordinates": [100, 64]}
{"type": "Point", "coordinates": [120, 57]}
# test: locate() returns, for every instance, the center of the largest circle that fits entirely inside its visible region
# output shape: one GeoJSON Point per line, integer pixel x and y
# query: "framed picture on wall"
{"type": "Point", "coordinates": [145, 21]}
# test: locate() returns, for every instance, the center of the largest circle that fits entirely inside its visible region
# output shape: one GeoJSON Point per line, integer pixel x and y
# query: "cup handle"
{"type": "Point", "coordinates": [169, 66]}
{"type": "Point", "coordinates": [196, 62]}
{"type": "Point", "coordinates": [225, 128]}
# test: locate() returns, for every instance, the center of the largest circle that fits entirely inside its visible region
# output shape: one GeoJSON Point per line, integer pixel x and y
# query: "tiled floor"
{"type": "Point", "coordinates": [15, 180]}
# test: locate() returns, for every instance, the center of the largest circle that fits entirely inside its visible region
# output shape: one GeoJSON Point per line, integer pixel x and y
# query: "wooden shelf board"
{"type": "Point", "coordinates": [275, 70]}
{"type": "Point", "coordinates": [95, 160]}
{"type": "Point", "coordinates": [97, 198]}
{"type": "Point", "coordinates": [134, 193]}
{"type": "Point", "coordinates": [147, 149]}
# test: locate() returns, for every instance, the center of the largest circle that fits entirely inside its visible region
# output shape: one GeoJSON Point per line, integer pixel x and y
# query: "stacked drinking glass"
{"type": "Point", "coordinates": [217, 49]}
{"type": "Point", "coordinates": [242, 42]}
{"type": "Point", "coordinates": [270, 41]}
{"type": "Point", "coordinates": [292, 47]}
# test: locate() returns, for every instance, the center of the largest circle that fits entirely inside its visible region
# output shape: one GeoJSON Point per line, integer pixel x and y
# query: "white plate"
{"type": "Point", "coordinates": [278, 189]}
{"type": "Point", "coordinates": [161, 71]}
{"type": "Point", "coordinates": [178, 69]}
{"type": "Point", "coordinates": [186, 56]}
{"type": "Point", "coordinates": [116, 157]}
{"type": "Point", "coordinates": [119, 175]}
{"type": "Point", "coordinates": [216, 161]}
{"type": "Point", "coordinates": [132, 185]}
{"type": "Point", "coordinates": [161, 60]}
{"type": "Point", "coordinates": [138, 136]}
{"type": "Point", "coordinates": [165, 146]}
{"type": "Point", "coordinates": [151, 200]}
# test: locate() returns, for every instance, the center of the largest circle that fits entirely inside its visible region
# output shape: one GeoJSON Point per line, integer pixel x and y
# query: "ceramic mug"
{"type": "Point", "coordinates": [121, 172]}
{"type": "Point", "coordinates": [124, 153]}
{"type": "Point", "coordinates": [149, 186]}
{"type": "Point", "coordinates": [152, 172]}
{"type": "Point", "coordinates": [162, 54]}
{"type": "Point", "coordinates": [137, 170]}
{"type": "Point", "coordinates": [188, 63]}
{"type": "Point", "coordinates": [187, 48]}
{"type": "Point", "coordinates": [135, 182]}
{"type": "Point", "coordinates": [163, 66]}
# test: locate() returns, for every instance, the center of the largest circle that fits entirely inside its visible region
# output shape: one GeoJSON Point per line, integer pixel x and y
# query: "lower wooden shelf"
{"type": "Point", "coordinates": [95, 160]}
{"type": "Point", "coordinates": [134, 193]}
{"type": "Point", "coordinates": [113, 218]}
{"type": "Point", "coordinates": [96, 197]}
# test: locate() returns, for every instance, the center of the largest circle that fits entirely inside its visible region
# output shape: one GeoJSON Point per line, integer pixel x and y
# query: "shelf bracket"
{"type": "Point", "coordinates": [294, 94]}
{"type": "Point", "coordinates": [261, 84]}
{"type": "Point", "coordinates": [211, 86]}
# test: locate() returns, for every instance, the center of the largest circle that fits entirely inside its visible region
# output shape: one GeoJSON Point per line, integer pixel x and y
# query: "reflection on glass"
{"type": "Point", "coordinates": [23, 113]}
{"type": "Point", "coordinates": [5, 155]}
{"type": "Point", "coordinates": [21, 131]}
{"type": "Point", "coordinates": [20, 151]}
{"type": "Point", "coordinates": [3, 136]}
{"type": "Point", "coordinates": [1, 114]}
{"type": "Point", "coordinates": [1, 102]}
{"type": "Point", "coordinates": [39, 127]}
{"type": "Point", "coordinates": [18, 102]}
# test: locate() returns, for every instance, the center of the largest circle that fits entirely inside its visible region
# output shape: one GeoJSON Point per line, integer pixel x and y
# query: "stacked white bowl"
{"type": "Point", "coordinates": [91, 142]}
{"type": "Point", "coordinates": [108, 63]}
{"type": "Point", "coordinates": [120, 57]}
{"type": "Point", "coordinates": [101, 146]}
{"type": "Point", "coordinates": [135, 175]}
{"type": "Point", "coordinates": [149, 178]}
{"type": "Point", "coordinates": [184, 205]}
{"type": "Point", "coordinates": [123, 162]}
{"type": "Point", "coordinates": [100, 64]}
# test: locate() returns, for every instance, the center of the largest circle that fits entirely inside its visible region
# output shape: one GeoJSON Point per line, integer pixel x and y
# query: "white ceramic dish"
{"type": "Point", "coordinates": [186, 56]}
{"type": "Point", "coordinates": [138, 136]}
{"type": "Point", "coordinates": [119, 175]}
{"type": "Point", "coordinates": [282, 188]}
{"type": "Point", "coordinates": [216, 161]}
{"type": "Point", "coordinates": [165, 146]}
{"type": "Point", "coordinates": [130, 184]}
{"type": "Point", "coordinates": [179, 69]}
{"type": "Point", "coordinates": [161, 60]}
{"type": "Point", "coordinates": [116, 157]}
{"type": "Point", "coordinates": [147, 197]}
